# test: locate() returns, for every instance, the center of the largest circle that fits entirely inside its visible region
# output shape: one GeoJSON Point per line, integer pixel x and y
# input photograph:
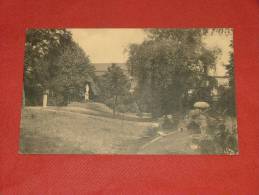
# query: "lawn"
{"type": "Point", "coordinates": [70, 130]}
{"type": "Point", "coordinates": [91, 129]}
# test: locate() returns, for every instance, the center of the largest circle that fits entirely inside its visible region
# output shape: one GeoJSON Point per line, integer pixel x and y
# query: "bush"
{"type": "Point", "coordinates": [127, 108]}
{"type": "Point", "coordinates": [109, 102]}
{"type": "Point", "coordinates": [60, 100]}
{"type": "Point", "coordinates": [207, 146]}
{"type": "Point", "coordinates": [193, 127]}
{"type": "Point", "coordinates": [121, 108]}
{"type": "Point", "coordinates": [168, 123]}
{"type": "Point", "coordinates": [223, 141]}
{"type": "Point", "coordinates": [133, 107]}
{"type": "Point", "coordinates": [226, 140]}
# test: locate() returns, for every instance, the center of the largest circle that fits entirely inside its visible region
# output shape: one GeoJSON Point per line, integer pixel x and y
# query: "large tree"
{"type": "Point", "coordinates": [42, 46]}
{"type": "Point", "coordinates": [53, 61]}
{"type": "Point", "coordinates": [73, 72]}
{"type": "Point", "coordinates": [167, 66]}
{"type": "Point", "coordinates": [227, 101]}
{"type": "Point", "coordinates": [114, 84]}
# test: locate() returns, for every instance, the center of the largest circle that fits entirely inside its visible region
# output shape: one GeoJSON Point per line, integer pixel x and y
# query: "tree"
{"type": "Point", "coordinates": [53, 61]}
{"type": "Point", "coordinates": [227, 100]}
{"type": "Point", "coordinates": [167, 66]}
{"type": "Point", "coordinates": [42, 46]}
{"type": "Point", "coordinates": [114, 84]}
{"type": "Point", "coordinates": [72, 73]}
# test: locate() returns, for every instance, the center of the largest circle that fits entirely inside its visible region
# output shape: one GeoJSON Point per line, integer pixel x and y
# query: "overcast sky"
{"type": "Point", "coordinates": [108, 45]}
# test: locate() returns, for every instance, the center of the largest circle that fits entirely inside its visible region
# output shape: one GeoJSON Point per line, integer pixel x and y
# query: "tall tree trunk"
{"type": "Point", "coordinates": [180, 106]}
{"type": "Point", "coordinates": [114, 105]}
{"type": "Point", "coordinates": [153, 107]}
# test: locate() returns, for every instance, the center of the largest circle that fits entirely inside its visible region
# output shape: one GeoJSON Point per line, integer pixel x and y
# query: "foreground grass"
{"type": "Point", "coordinates": [59, 131]}
{"type": "Point", "coordinates": [90, 128]}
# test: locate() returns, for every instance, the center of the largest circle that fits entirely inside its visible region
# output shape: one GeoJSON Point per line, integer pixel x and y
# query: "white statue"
{"type": "Point", "coordinates": [87, 92]}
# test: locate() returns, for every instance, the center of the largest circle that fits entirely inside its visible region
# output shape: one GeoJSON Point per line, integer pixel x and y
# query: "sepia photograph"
{"type": "Point", "coordinates": [129, 91]}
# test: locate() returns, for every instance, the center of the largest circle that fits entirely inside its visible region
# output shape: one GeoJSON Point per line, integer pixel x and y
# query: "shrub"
{"type": "Point", "coordinates": [223, 141]}
{"type": "Point", "coordinates": [109, 102]}
{"type": "Point", "coordinates": [207, 146]}
{"type": "Point", "coordinates": [122, 108]}
{"type": "Point", "coordinates": [60, 100]}
{"type": "Point", "coordinates": [193, 127]}
{"type": "Point", "coordinates": [168, 123]}
{"type": "Point", "coordinates": [132, 107]}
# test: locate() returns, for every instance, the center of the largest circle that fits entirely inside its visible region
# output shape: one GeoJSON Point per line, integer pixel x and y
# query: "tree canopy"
{"type": "Point", "coordinates": [114, 84]}
{"type": "Point", "coordinates": [168, 65]}
{"type": "Point", "coordinates": [53, 61]}
{"type": "Point", "coordinates": [227, 100]}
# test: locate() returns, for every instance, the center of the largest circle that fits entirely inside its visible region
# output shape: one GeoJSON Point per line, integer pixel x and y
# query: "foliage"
{"type": "Point", "coordinates": [167, 66]}
{"type": "Point", "coordinates": [127, 108]}
{"type": "Point", "coordinates": [181, 34]}
{"type": "Point", "coordinates": [122, 108]}
{"type": "Point", "coordinates": [114, 85]}
{"type": "Point", "coordinates": [207, 146]}
{"type": "Point", "coordinates": [52, 61]}
{"type": "Point", "coordinates": [74, 70]}
{"type": "Point", "coordinates": [220, 139]}
{"type": "Point", "coordinates": [222, 143]}
{"type": "Point", "coordinates": [167, 123]}
{"type": "Point", "coordinates": [41, 48]}
{"type": "Point", "coordinates": [194, 127]}
{"type": "Point", "coordinates": [227, 102]}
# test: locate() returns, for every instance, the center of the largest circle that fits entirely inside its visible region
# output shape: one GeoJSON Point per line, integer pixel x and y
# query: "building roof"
{"type": "Point", "coordinates": [101, 68]}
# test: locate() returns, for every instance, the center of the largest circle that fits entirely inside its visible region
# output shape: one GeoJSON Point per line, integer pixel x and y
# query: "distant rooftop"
{"type": "Point", "coordinates": [101, 68]}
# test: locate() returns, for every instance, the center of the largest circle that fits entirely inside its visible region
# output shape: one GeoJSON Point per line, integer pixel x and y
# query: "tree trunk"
{"type": "Point", "coordinates": [180, 106]}
{"type": "Point", "coordinates": [114, 105]}
{"type": "Point", "coordinates": [153, 107]}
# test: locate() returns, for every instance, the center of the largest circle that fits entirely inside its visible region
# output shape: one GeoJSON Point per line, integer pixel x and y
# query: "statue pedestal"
{"type": "Point", "coordinates": [45, 100]}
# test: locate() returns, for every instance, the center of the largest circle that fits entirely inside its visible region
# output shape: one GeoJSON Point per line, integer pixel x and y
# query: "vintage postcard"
{"type": "Point", "coordinates": [129, 91]}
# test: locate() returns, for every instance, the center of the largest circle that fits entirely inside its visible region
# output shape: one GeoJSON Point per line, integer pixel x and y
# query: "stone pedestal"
{"type": "Point", "coordinates": [45, 100]}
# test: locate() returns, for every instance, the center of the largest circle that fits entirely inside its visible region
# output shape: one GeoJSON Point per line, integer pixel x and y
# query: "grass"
{"type": "Point", "coordinates": [99, 109]}
{"type": "Point", "coordinates": [91, 129]}
{"type": "Point", "coordinates": [60, 131]}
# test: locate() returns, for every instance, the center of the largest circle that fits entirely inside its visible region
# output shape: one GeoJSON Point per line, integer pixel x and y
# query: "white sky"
{"type": "Point", "coordinates": [108, 45]}
{"type": "Point", "coordinates": [221, 41]}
